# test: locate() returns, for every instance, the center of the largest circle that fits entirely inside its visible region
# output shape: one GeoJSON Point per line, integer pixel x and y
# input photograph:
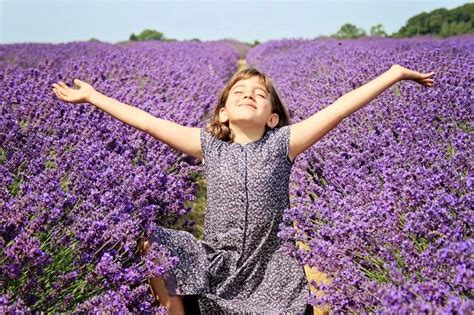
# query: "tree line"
{"type": "Point", "coordinates": [439, 22]}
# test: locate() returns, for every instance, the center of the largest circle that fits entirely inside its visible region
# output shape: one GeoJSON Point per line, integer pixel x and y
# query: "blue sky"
{"type": "Point", "coordinates": [61, 21]}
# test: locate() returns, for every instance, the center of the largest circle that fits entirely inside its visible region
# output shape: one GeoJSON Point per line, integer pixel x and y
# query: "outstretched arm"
{"type": "Point", "coordinates": [86, 93]}
{"type": "Point", "coordinates": [305, 133]}
{"type": "Point", "coordinates": [182, 138]}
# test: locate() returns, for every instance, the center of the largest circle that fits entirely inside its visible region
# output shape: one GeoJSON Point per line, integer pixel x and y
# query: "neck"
{"type": "Point", "coordinates": [247, 135]}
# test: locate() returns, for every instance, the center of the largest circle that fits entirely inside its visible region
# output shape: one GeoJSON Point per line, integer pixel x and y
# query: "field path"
{"type": "Point", "coordinates": [242, 64]}
{"type": "Point", "coordinates": [313, 274]}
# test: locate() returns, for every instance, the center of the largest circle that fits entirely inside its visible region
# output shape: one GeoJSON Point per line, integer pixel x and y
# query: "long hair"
{"type": "Point", "coordinates": [222, 130]}
{"type": "Point", "coordinates": [143, 245]}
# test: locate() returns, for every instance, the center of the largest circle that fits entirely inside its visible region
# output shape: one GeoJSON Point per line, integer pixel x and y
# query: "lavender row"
{"type": "Point", "coordinates": [80, 187]}
{"type": "Point", "coordinates": [384, 200]}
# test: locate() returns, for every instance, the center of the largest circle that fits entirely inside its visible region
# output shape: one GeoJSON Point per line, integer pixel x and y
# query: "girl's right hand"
{"type": "Point", "coordinates": [81, 95]}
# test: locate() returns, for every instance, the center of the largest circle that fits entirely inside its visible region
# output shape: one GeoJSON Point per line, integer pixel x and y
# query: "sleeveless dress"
{"type": "Point", "coordinates": [240, 266]}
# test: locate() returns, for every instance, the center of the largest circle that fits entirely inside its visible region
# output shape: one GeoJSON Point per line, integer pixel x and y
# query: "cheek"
{"type": "Point", "coordinates": [231, 98]}
{"type": "Point", "coordinates": [268, 107]}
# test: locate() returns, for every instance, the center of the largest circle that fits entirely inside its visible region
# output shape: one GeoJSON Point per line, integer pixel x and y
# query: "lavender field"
{"type": "Point", "coordinates": [80, 187]}
{"type": "Point", "coordinates": [383, 202]}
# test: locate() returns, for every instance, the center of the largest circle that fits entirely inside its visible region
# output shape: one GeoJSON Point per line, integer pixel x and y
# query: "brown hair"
{"type": "Point", "coordinates": [143, 245]}
{"type": "Point", "coordinates": [222, 130]}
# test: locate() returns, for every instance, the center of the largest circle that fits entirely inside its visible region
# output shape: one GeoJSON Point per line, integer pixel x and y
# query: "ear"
{"type": "Point", "coordinates": [273, 120]}
{"type": "Point", "coordinates": [223, 115]}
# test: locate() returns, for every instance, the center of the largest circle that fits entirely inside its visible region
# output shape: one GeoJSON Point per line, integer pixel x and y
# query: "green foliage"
{"type": "Point", "coordinates": [14, 187]}
{"type": "Point", "coordinates": [451, 29]}
{"type": "Point", "coordinates": [349, 31]}
{"type": "Point", "coordinates": [255, 43]}
{"type": "Point", "coordinates": [3, 155]}
{"type": "Point", "coordinates": [198, 206]}
{"type": "Point", "coordinates": [440, 22]}
{"type": "Point", "coordinates": [197, 212]}
{"type": "Point", "coordinates": [149, 34]}
{"type": "Point", "coordinates": [50, 162]}
{"type": "Point", "coordinates": [396, 89]}
{"type": "Point", "coordinates": [377, 30]}
{"type": "Point", "coordinates": [450, 151]}
{"type": "Point", "coordinates": [60, 285]}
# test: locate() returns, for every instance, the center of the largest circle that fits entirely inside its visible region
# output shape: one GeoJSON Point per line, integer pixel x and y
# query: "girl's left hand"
{"type": "Point", "coordinates": [421, 78]}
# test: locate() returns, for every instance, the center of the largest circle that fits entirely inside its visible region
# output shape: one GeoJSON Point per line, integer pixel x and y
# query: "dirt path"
{"type": "Point", "coordinates": [313, 274]}
{"type": "Point", "coordinates": [242, 64]}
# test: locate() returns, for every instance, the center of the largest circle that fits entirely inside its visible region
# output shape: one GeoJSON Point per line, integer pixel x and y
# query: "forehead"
{"type": "Point", "coordinates": [254, 81]}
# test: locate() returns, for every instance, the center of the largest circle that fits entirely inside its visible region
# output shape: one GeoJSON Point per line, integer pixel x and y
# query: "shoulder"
{"type": "Point", "coordinates": [280, 134]}
{"type": "Point", "coordinates": [205, 134]}
{"type": "Point", "coordinates": [207, 137]}
{"type": "Point", "coordinates": [209, 142]}
{"type": "Point", "coordinates": [279, 142]}
{"type": "Point", "coordinates": [275, 138]}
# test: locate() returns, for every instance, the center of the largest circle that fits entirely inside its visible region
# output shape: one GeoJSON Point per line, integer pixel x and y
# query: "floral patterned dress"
{"type": "Point", "coordinates": [240, 265]}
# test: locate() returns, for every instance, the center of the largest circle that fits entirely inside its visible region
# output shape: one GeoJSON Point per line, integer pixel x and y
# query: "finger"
{"type": "Point", "coordinates": [63, 85]}
{"type": "Point", "coordinates": [427, 75]}
{"type": "Point", "coordinates": [62, 94]}
{"type": "Point", "coordinates": [59, 95]}
{"type": "Point", "coordinates": [427, 80]}
{"type": "Point", "coordinates": [61, 89]}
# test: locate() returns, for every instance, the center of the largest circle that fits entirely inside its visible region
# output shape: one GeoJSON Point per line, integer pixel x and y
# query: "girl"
{"type": "Point", "coordinates": [247, 151]}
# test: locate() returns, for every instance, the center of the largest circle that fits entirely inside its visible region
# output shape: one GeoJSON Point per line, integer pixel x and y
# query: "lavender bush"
{"type": "Point", "coordinates": [79, 187]}
{"type": "Point", "coordinates": [384, 201]}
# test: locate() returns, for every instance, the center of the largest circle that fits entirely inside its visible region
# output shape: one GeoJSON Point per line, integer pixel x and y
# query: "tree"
{"type": "Point", "coordinates": [441, 22]}
{"type": "Point", "coordinates": [255, 43]}
{"type": "Point", "coordinates": [450, 29]}
{"type": "Point", "coordinates": [377, 30]}
{"type": "Point", "coordinates": [349, 31]}
{"type": "Point", "coordinates": [147, 34]}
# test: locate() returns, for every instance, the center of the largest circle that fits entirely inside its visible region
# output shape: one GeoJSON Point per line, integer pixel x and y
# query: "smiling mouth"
{"type": "Point", "coordinates": [249, 105]}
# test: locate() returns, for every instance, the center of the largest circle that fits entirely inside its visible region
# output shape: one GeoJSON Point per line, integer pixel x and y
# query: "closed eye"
{"type": "Point", "coordinates": [257, 94]}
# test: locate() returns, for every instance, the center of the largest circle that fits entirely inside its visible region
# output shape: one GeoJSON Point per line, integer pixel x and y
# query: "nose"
{"type": "Point", "coordinates": [248, 95]}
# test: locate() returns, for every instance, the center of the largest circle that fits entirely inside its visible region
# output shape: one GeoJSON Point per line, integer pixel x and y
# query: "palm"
{"type": "Point", "coordinates": [421, 78]}
{"type": "Point", "coordinates": [80, 95]}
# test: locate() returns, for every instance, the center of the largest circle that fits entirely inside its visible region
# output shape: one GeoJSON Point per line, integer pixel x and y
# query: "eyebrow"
{"type": "Point", "coordinates": [258, 87]}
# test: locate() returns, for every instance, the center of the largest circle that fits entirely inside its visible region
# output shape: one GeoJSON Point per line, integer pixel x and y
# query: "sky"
{"type": "Point", "coordinates": [112, 21]}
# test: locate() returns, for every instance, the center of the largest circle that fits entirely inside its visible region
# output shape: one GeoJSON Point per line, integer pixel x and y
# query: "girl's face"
{"type": "Point", "coordinates": [248, 100]}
